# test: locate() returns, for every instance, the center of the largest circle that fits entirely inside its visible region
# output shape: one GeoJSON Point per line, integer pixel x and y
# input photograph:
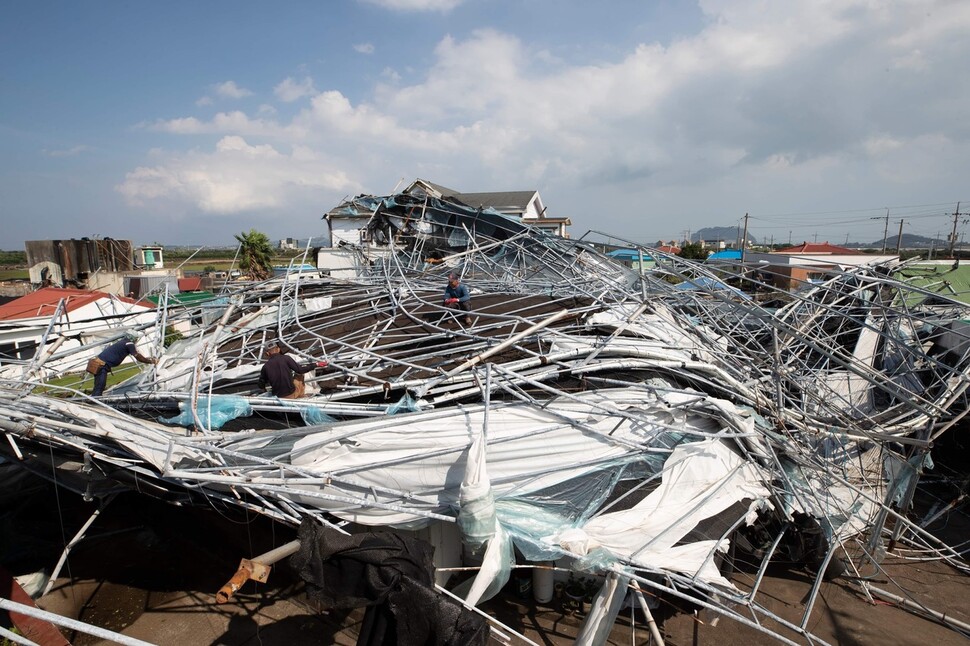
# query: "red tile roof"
{"type": "Point", "coordinates": [43, 302]}
{"type": "Point", "coordinates": [819, 247]}
{"type": "Point", "coordinates": [191, 284]}
{"type": "Point", "coordinates": [666, 248]}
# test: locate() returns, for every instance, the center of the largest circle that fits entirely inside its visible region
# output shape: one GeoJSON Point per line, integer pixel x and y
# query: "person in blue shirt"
{"type": "Point", "coordinates": [457, 296]}
{"type": "Point", "coordinates": [112, 356]}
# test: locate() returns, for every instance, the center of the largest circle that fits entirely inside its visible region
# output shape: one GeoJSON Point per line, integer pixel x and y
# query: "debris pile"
{"type": "Point", "coordinates": [652, 427]}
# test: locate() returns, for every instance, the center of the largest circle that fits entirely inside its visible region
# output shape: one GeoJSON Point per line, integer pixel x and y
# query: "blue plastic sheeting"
{"type": "Point", "coordinates": [629, 254]}
{"type": "Point", "coordinates": [905, 473]}
{"type": "Point", "coordinates": [223, 408]}
{"type": "Point", "coordinates": [313, 416]}
{"type": "Point", "coordinates": [406, 404]}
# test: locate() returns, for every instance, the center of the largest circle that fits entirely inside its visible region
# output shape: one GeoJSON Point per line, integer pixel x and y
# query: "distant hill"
{"type": "Point", "coordinates": [731, 235]}
{"type": "Point", "coordinates": [910, 241]}
{"type": "Point", "coordinates": [713, 234]}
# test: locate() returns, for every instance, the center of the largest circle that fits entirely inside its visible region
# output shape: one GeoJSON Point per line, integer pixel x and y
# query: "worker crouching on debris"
{"type": "Point", "coordinates": [285, 375]}
{"type": "Point", "coordinates": [457, 296]}
{"type": "Point", "coordinates": [111, 357]}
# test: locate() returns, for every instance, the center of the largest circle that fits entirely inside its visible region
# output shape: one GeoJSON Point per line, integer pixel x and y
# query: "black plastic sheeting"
{"type": "Point", "coordinates": [391, 575]}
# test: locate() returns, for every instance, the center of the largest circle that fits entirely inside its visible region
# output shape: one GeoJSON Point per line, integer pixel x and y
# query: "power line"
{"type": "Point", "coordinates": [879, 210]}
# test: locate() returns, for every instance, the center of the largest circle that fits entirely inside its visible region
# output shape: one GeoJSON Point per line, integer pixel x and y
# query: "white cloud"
{"type": "Point", "coordinates": [364, 48]}
{"type": "Point", "coordinates": [292, 90]}
{"type": "Point", "coordinates": [795, 103]}
{"type": "Point", "coordinates": [73, 151]}
{"type": "Point", "coordinates": [235, 122]}
{"type": "Point", "coordinates": [204, 101]}
{"type": "Point", "coordinates": [234, 177]}
{"type": "Point", "coordinates": [417, 5]}
{"type": "Point", "coordinates": [391, 75]}
{"type": "Point", "coordinates": [230, 90]}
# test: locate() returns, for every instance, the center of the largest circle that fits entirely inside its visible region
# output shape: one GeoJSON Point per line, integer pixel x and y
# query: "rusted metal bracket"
{"type": "Point", "coordinates": [255, 569]}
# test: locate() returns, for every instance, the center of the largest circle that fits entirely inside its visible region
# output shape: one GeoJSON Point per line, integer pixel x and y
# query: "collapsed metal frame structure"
{"type": "Point", "coordinates": [829, 397]}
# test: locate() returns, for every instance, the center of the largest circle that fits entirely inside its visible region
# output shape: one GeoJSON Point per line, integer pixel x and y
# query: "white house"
{"type": "Point", "coordinates": [85, 319]}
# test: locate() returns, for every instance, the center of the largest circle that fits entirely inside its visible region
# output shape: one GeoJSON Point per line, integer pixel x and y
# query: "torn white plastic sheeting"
{"type": "Point", "coordinates": [317, 303]}
{"type": "Point", "coordinates": [847, 504]}
{"type": "Point", "coordinates": [847, 390]}
{"type": "Point", "coordinates": [604, 610]}
{"type": "Point", "coordinates": [476, 514]}
{"type": "Point", "coordinates": [426, 453]}
{"type": "Point", "coordinates": [660, 325]}
{"type": "Point", "coordinates": [153, 443]}
{"type": "Point", "coordinates": [622, 347]}
{"type": "Point", "coordinates": [495, 569]}
{"type": "Point", "coordinates": [699, 481]}
{"type": "Point", "coordinates": [478, 524]}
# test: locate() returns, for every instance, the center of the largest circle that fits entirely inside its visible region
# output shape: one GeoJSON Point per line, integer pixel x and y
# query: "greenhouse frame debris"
{"type": "Point", "coordinates": [590, 413]}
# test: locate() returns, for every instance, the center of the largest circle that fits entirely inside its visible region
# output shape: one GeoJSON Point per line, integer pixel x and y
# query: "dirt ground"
{"type": "Point", "coordinates": [150, 570]}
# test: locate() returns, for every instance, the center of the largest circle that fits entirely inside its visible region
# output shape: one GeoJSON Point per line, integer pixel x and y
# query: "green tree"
{"type": "Point", "coordinates": [693, 251]}
{"type": "Point", "coordinates": [255, 254]}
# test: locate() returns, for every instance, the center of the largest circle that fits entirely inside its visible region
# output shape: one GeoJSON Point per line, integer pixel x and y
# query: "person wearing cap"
{"type": "Point", "coordinates": [112, 356]}
{"type": "Point", "coordinates": [283, 374]}
{"type": "Point", "coordinates": [457, 296]}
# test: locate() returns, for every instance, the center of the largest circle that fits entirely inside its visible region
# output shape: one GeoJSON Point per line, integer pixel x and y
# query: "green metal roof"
{"type": "Point", "coordinates": [950, 280]}
{"type": "Point", "coordinates": [184, 298]}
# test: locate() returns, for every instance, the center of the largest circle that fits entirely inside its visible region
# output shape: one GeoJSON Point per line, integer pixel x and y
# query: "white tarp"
{"type": "Point", "coordinates": [425, 455]}
{"type": "Point", "coordinates": [529, 448]}
{"type": "Point", "coordinates": [700, 480]}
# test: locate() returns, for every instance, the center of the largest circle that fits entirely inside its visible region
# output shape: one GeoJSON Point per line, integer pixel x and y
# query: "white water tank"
{"type": "Point", "coordinates": [542, 582]}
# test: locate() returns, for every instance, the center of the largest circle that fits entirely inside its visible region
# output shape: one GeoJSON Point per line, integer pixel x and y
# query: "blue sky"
{"type": "Point", "coordinates": [185, 122]}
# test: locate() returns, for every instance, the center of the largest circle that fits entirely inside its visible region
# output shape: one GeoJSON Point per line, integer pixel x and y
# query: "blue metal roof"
{"type": "Point", "coordinates": [727, 254]}
{"type": "Point", "coordinates": [628, 254]}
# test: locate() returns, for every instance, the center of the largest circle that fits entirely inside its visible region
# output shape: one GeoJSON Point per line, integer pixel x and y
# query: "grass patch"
{"type": "Point", "coordinates": [84, 382]}
{"type": "Point", "coordinates": [14, 274]}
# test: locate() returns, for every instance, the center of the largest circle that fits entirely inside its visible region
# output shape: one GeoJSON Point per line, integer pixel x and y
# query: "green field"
{"type": "Point", "coordinates": [84, 382]}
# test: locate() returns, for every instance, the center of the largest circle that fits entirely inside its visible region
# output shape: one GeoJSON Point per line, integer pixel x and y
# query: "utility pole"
{"type": "Point", "coordinates": [744, 237]}
{"type": "Point", "coordinates": [953, 236]}
{"type": "Point", "coordinates": [899, 238]}
{"type": "Point", "coordinates": [816, 236]}
{"type": "Point", "coordinates": [789, 238]}
{"type": "Point", "coordinates": [885, 233]}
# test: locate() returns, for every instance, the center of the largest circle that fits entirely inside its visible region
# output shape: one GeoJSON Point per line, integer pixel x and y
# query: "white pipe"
{"type": "Point", "coordinates": [74, 541]}
{"type": "Point", "coordinates": [73, 624]}
{"type": "Point", "coordinates": [920, 608]}
{"type": "Point", "coordinates": [490, 619]}
{"type": "Point", "coordinates": [504, 344]}
{"type": "Point", "coordinates": [646, 611]}
{"type": "Point", "coordinates": [15, 638]}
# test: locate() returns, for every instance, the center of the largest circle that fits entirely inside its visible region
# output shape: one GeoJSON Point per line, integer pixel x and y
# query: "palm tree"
{"type": "Point", "coordinates": [255, 254]}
